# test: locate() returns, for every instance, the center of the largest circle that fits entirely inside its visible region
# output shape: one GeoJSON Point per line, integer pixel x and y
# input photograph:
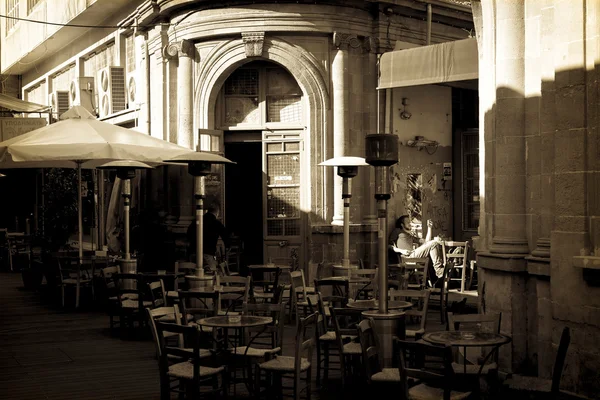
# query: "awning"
{"type": "Point", "coordinates": [18, 105]}
{"type": "Point", "coordinates": [438, 63]}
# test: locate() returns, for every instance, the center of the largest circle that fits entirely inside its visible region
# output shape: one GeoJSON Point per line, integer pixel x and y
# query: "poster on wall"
{"type": "Point", "coordinates": [447, 171]}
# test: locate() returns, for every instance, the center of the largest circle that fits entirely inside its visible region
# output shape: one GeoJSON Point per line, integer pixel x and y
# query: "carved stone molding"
{"type": "Point", "coordinates": [343, 41]}
{"type": "Point", "coordinates": [182, 48]}
{"type": "Point", "coordinates": [253, 43]}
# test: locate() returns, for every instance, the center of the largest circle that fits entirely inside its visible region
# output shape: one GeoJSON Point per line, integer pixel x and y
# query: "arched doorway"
{"type": "Point", "coordinates": [261, 111]}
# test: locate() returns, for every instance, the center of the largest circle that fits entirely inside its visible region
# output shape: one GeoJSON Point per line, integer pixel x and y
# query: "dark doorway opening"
{"type": "Point", "coordinates": [243, 198]}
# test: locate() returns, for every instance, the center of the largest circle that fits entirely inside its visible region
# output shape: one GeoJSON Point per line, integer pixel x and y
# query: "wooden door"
{"type": "Point", "coordinates": [284, 221]}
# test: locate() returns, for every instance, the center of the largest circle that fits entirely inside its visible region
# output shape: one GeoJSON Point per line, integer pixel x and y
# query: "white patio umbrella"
{"type": "Point", "coordinates": [79, 140]}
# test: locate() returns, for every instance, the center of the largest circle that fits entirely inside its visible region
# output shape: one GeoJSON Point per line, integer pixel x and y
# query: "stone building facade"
{"type": "Point", "coordinates": [277, 86]}
{"type": "Point", "coordinates": [539, 232]}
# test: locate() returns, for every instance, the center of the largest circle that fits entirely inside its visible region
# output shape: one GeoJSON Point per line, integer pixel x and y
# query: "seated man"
{"type": "Point", "coordinates": [406, 242]}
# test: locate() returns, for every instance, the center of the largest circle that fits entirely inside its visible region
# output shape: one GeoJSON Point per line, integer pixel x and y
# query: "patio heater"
{"type": "Point", "coordinates": [126, 170]}
{"type": "Point", "coordinates": [382, 152]}
{"type": "Point", "coordinates": [347, 167]}
{"type": "Point", "coordinates": [199, 165]}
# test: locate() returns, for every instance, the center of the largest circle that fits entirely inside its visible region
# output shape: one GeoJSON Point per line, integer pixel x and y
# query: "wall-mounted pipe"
{"type": "Point", "coordinates": [429, 12]}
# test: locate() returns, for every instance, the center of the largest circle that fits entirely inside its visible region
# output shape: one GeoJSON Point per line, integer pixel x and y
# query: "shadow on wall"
{"type": "Point", "coordinates": [541, 176]}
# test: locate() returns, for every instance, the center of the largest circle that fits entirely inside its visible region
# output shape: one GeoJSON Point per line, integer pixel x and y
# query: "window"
{"type": "Point", "coordinates": [470, 177]}
{"type": "Point", "coordinates": [31, 4]}
{"type": "Point", "coordinates": [12, 10]}
{"type": "Point", "coordinates": [261, 93]}
{"type": "Point", "coordinates": [283, 187]}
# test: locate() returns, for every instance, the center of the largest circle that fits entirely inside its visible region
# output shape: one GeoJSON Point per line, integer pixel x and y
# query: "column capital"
{"type": "Point", "coordinates": [253, 43]}
{"type": "Point", "coordinates": [182, 48]}
{"type": "Point", "coordinates": [342, 41]}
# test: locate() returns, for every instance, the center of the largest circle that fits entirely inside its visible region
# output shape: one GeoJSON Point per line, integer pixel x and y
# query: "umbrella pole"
{"type": "Point", "coordinates": [80, 222]}
{"type": "Point", "coordinates": [126, 200]}
{"type": "Point", "coordinates": [80, 213]}
{"type": "Point", "coordinates": [199, 195]}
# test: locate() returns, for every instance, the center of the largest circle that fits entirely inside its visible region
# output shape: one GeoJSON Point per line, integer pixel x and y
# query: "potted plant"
{"type": "Point", "coordinates": [59, 217]}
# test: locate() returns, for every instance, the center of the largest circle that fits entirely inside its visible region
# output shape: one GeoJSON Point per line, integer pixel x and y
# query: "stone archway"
{"type": "Point", "coordinates": [230, 55]}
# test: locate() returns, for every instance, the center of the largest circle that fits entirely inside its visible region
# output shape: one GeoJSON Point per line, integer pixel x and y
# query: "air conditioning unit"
{"type": "Point", "coordinates": [111, 91]}
{"type": "Point", "coordinates": [59, 101]}
{"type": "Point", "coordinates": [131, 91]}
{"type": "Point", "coordinates": [82, 93]}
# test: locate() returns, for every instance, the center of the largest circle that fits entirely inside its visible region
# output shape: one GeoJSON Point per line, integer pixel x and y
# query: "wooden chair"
{"type": "Point", "coordinates": [364, 290]}
{"type": "Point", "coordinates": [131, 296]}
{"type": "Point", "coordinates": [326, 339]}
{"type": "Point", "coordinates": [110, 294]}
{"type": "Point", "coordinates": [480, 323]}
{"type": "Point", "coordinates": [223, 269]}
{"type": "Point", "coordinates": [334, 292]}
{"type": "Point", "coordinates": [429, 365]}
{"type": "Point", "coordinates": [73, 274]}
{"type": "Point", "coordinates": [190, 373]}
{"type": "Point", "coordinates": [269, 335]}
{"type": "Point", "coordinates": [543, 388]}
{"type": "Point", "coordinates": [181, 269]}
{"type": "Point", "coordinates": [370, 355]}
{"type": "Point", "coordinates": [299, 293]}
{"type": "Point", "coordinates": [440, 294]}
{"type": "Point", "coordinates": [197, 305]}
{"type": "Point", "coordinates": [345, 322]}
{"type": "Point", "coordinates": [158, 295]}
{"type": "Point", "coordinates": [416, 317]}
{"type": "Point", "coordinates": [417, 269]}
{"type": "Point", "coordinates": [233, 303]}
{"type": "Point", "coordinates": [298, 364]}
{"type": "Point", "coordinates": [456, 255]}
{"type": "Point", "coordinates": [264, 282]}
{"type": "Point", "coordinates": [155, 314]}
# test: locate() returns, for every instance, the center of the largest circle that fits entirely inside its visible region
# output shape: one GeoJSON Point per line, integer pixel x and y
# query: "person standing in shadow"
{"type": "Point", "coordinates": [213, 229]}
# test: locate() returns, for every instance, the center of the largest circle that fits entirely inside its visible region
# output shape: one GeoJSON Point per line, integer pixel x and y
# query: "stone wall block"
{"type": "Point", "coordinates": [533, 8]}
{"type": "Point", "coordinates": [510, 116]}
{"type": "Point", "coordinates": [593, 195]}
{"type": "Point", "coordinates": [570, 150]}
{"type": "Point", "coordinates": [547, 153]}
{"type": "Point", "coordinates": [572, 223]}
{"type": "Point", "coordinates": [532, 114]}
{"type": "Point", "coordinates": [533, 155]}
{"type": "Point", "coordinates": [545, 359]}
{"type": "Point", "coordinates": [548, 111]}
{"type": "Point", "coordinates": [509, 47]}
{"type": "Point", "coordinates": [587, 374]}
{"type": "Point", "coordinates": [510, 79]}
{"type": "Point", "coordinates": [570, 107]}
{"type": "Point", "coordinates": [516, 11]}
{"type": "Point", "coordinates": [533, 229]}
{"type": "Point", "coordinates": [512, 225]}
{"type": "Point", "coordinates": [565, 203]}
{"type": "Point", "coordinates": [510, 156]}
{"type": "Point", "coordinates": [511, 199]}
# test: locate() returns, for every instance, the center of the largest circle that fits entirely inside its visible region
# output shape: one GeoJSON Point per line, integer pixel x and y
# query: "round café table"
{"type": "Point", "coordinates": [238, 322]}
{"type": "Point", "coordinates": [467, 339]}
{"type": "Point", "coordinates": [374, 304]}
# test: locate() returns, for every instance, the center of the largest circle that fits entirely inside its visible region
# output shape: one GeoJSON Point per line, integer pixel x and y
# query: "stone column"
{"type": "Point", "coordinates": [339, 80]}
{"type": "Point", "coordinates": [184, 51]}
{"type": "Point", "coordinates": [142, 74]}
{"type": "Point", "coordinates": [547, 126]}
{"type": "Point", "coordinates": [509, 236]}
{"type": "Point", "coordinates": [370, 125]}
{"type": "Point", "coordinates": [502, 284]}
